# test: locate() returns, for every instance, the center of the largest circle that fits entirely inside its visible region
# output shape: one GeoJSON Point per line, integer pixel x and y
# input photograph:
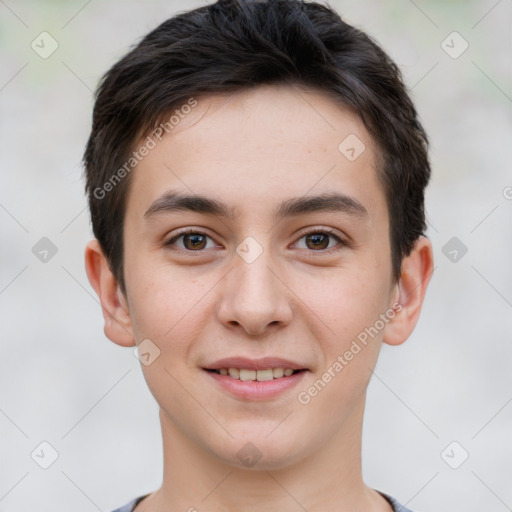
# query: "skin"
{"type": "Point", "coordinates": [253, 150]}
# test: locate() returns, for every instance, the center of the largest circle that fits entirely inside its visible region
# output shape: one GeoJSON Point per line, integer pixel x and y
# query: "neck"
{"type": "Point", "coordinates": [328, 480]}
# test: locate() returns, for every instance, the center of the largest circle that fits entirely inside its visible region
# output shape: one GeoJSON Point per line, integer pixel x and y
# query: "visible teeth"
{"type": "Point", "coordinates": [263, 375]}
{"type": "Point", "coordinates": [259, 375]}
{"type": "Point", "coordinates": [247, 374]}
{"type": "Point", "coordinates": [234, 372]}
{"type": "Point", "coordinates": [278, 373]}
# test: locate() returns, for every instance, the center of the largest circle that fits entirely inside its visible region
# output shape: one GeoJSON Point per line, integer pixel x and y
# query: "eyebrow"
{"type": "Point", "coordinates": [172, 201]}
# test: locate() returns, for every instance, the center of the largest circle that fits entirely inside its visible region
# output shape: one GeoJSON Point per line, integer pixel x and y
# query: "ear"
{"type": "Point", "coordinates": [118, 327]}
{"type": "Point", "coordinates": [410, 291]}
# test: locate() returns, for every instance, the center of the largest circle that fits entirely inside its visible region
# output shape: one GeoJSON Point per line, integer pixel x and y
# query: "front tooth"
{"type": "Point", "coordinates": [277, 373]}
{"type": "Point", "coordinates": [263, 375]}
{"type": "Point", "coordinates": [247, 374]}
{"type": "Point", "coordinates": [288, 372]}
{"type": "Point", "coordinates": [223, 371]}
{"type": "Point", "coordinates": [234, 372]}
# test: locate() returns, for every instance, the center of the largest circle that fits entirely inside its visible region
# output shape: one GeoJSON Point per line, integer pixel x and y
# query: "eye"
{"type": "Point", "coordinates": [191, 241]}
{"type": "Point", "coordinates": [320, 240]}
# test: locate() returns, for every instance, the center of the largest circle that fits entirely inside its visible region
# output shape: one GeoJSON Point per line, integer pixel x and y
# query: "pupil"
{"type": "Point", "coordinates": [317, 238]}
{"type": "Point", "coordinates": [195, 239]}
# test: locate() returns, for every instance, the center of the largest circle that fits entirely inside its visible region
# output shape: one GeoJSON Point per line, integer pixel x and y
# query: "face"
{"type": "Point", "coordinates": [258, 275]}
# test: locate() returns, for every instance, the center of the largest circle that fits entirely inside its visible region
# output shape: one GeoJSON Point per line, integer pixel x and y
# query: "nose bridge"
{"type": "Point", "coordinates": [253, 297]}
{"type": "Point", "coordinates": [254, 280]}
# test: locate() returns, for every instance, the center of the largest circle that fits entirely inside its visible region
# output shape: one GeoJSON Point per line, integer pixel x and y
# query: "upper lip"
{"type": "Point", "coordinates": [262, 363]}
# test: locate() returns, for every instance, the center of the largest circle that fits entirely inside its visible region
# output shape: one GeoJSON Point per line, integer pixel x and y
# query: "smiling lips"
{"type": "Point", "coordinates": [259, 375]}
{"type": "Point", "coordinates": [256, 378]}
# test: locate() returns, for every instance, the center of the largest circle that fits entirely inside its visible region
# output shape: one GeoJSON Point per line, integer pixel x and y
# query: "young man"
{"type": "Point", "coordinates": [256, 175]}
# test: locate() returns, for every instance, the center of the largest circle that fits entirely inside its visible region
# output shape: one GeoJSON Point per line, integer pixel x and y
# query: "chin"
{"type": "Point", "coordinates": [261, 453]}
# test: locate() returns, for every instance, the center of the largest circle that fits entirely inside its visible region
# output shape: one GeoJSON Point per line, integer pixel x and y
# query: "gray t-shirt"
{"type": "Point", "coordinates": [396, 506]}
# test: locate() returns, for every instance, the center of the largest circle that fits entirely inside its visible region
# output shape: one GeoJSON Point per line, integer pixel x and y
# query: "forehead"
{"type": "Point", "coordinates": [262, 143]}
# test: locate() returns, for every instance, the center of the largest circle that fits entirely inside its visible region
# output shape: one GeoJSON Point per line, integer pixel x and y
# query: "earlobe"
{"type": "Point", "coordinates": [416, 272]}
{"type": "Point", "coordinates": [116, 314]}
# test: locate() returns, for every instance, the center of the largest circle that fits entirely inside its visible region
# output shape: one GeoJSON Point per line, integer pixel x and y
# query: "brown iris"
{"type": "Point", "coordinates": [318, 242]}
{"type": "Point", "coordinates": [197, 241]}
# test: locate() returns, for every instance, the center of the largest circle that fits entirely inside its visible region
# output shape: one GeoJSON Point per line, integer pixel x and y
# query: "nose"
{"type": "Point", "coordinates": [255, 297]}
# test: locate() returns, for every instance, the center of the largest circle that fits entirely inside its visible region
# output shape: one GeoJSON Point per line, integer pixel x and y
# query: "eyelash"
{"type": "Point", "coordinates": [324, 231]}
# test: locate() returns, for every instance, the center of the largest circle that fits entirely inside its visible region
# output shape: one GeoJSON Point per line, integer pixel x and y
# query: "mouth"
{"type": "Point", "coordinates": [245, 374]}
{"type": "Point", "coordinates": [255, 379]}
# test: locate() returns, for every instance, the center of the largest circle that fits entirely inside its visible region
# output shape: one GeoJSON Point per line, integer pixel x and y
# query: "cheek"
{"type": "Point", "coordinates": [347, 302]}
{"type": "Point", "coordinates": [165, 305]}
{"type": "Point", "coordinates": [168, 308]}
{"type": "Point", "coordinates": [350, 307]}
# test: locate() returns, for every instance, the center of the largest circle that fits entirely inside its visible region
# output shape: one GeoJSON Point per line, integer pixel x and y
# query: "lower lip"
{"type": "Point", "coordinates": [254, 389]}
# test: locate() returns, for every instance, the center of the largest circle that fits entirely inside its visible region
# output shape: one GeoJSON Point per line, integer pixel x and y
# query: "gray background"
{"type": "Point", "coordinates": [63, 382]}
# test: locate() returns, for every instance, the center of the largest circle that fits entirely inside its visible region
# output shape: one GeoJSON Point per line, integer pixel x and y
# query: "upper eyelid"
{"type": "Point", "coordinates": [309, 230]}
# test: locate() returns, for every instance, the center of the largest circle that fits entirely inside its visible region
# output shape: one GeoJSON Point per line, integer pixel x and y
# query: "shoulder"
{"type": "Point", "coordinates": [397, 507]}
{"type": "Point", "coordinates": [131, 505]}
